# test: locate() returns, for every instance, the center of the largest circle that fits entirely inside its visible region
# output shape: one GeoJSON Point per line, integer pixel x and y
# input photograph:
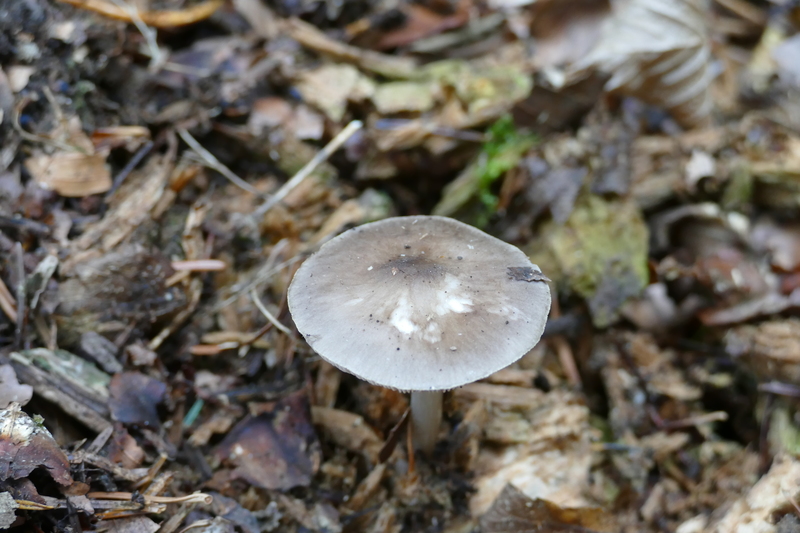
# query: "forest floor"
{"type": "Point", "coordinates": [167, 165]}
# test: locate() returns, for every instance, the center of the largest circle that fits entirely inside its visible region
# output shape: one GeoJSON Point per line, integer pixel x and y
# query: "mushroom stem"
{"type": "Point", "coordinates": [426, 418]}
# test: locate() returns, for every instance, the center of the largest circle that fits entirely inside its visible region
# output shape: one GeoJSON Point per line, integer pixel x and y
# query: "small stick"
{"type": "Point", "coordinates": [20, 290]}
{"type": "Point", "coordinates": [199, 265]}
{"type": "Point", "coordinates": [708, 418]}
{"type": "Point", "coordinates": [564, 351]}
{"type": "Point", "coordinates": [267, 314]}
{"type": "Point", "coordinates": [197, 497]}
{"type": "Point", "coordinates": [412, 465]}
{"type": "Point", "coordinates": [157, 57]}
{"type": "Point", "coordinates": [214, 163]}
{"type": "Point", "coordinates": [7, 303]}
{"type": "Point", "coordinates": [129, 166]}
{"type": "Point", "coordinates": [309, 167]}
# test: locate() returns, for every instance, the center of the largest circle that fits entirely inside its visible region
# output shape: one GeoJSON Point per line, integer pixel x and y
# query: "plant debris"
{"type": "Point", "coordinates": [168, 165]}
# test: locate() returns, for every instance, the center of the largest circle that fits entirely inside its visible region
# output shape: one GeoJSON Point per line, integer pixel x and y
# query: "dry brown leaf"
{"type": "Point", "coordinates": [771, 350]}
{"type": "Point", "coordinates": [137, 201]}
{"type": "Point", "coordinates": [658, 51]}
{"type": "Point", "coordinates": [753, 513]}
{"type": "Point", "coordinates": [276, 449]}
{"type": "Point", "coordinates": [134, 398]}
{"type": "Point", "coordinates": [25, 444]}
{"type": "Point", "coordinates": [348, 430]}
{"type": "Point", "coordinates": [133, 524]}
{"type": "Point", "coordinates": [330, 87]}
{"type": "Point", "coordinates": [72, 174]}
{"type": "Point", "coordinates": [513, 512]}
{"type": "Point", "coordinates": [550, 452]}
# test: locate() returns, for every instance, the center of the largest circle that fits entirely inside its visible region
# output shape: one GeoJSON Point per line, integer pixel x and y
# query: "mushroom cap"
{"type": "Point", "coordinates": [419, 303]}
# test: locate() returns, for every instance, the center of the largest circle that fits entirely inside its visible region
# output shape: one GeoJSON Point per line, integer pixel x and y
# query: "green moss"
{"type": "Point", "coordinates": [601, 253]}
{"type": "Point", "coordinates": [502, 152]}
{"type": "Point", "coordinates": [739, 190]}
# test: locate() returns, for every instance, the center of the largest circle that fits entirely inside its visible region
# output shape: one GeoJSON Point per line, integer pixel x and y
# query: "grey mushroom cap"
{"type": "Point", "coordinates": [419, 303]}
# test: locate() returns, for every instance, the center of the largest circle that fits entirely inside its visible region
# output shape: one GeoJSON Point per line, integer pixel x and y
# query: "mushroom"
{"type": "Point", "coordinates": [422, 304]}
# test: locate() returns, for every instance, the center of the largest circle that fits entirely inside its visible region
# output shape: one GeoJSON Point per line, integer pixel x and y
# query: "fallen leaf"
{"type": "Point", "coordinates": [330, 87]}
{"type": "Point", "coordinates": [513, 512]}
{"type": "Point", "coordinates": [540, 444]}
{"type": "Point", "coordinates": [25, 444]}
{"type": "Point", "coordinates": [348, 430]}
{"type": "Point", "coordinates": [107, 292]}
{"type": "Point", "coordinates": [658, 51]}
{"type": "Point", "coordinates": [399, 96]}
{"type": "Point", "coordinates": [753, 512]}
{"type": "Point", "coordinates": [133, 524]}
{"type": "Point", "coordinates": [72, 174]}
{"type": "Point", "coordinates": [134, 398]}
{"type": "Point", "coordinates": [276, 450]}
{"type": "Point", "coordinates": [771, 350]}
{"type": "Point", "coordinates": [230, 510]}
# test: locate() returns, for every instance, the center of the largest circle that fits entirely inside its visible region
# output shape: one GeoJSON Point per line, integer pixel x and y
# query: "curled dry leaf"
{"type": "Point", "coordinates": [658, 51]}
{"type": "Point", "coordinates": [25, 444]}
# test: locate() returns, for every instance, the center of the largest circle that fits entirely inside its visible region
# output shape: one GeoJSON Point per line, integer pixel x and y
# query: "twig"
{"type": "Point", "coordinates": [199, 265]}
{"type": "Point", "coordinates": [707, 418]}
{"type": "Point", "coordinates": [19, 266]}
{"type": "Point", "coordinates": [385, 65]}
{"type": "Point", "coordinates": [196, 524]}
{"type": "Point", "coordinates": [158, 19]}
{"type": "Point", "coordinates": [564, 350]}
{"type": "Point", "coordinates": [129, 166]}
{"type": "Point", "coordinates": [157, 57]}
{"type": "Point", "coordinates": [268, 270]}
{"type": "Point", "coordinates": [7, 302]}
{"type": "Point", "coordinates": [304, 172]}
{"type": "Point", "coordinates": [214, 163]}
{"type": "Point", "coordinates": [780, 388]}
{"type": "Point", "coordinates": [100, 440]}
{"type": "Point", "coordinates": [197, 497]}
{"type": "Point", "coordinates": [267, 314]}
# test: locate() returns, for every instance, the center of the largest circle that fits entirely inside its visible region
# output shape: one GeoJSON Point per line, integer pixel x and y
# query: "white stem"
{"type": "Point", "coordinates": [426, 418]}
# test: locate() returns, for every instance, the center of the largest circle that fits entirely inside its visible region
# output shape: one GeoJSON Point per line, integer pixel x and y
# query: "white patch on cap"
{"type": "Point", "coordinates": [401, 316]}
{"type": "Point", "coordinates": [432, 333]}
{"type": "Point", "coordinates": [451, 299]}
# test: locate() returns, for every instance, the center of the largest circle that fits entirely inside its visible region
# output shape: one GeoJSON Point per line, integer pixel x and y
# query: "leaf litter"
{"type": "Point", "coordinates": [167, 166]}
